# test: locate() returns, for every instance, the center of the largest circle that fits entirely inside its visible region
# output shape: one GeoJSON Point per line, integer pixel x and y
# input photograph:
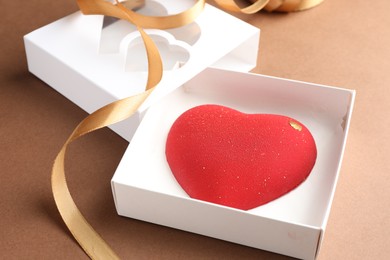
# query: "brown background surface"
{"type": "Point", "coordinates": [340, 43]}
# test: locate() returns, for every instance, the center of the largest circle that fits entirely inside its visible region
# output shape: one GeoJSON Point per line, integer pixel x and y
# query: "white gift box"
{"type": "Point", "coordinates": [93, 61]}
{"type": "Point", "coordinates": [144, 187]}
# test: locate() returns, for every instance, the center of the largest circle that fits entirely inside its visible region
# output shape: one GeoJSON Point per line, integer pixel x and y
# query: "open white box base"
{"type": "Point", "coordinates": [144, 187]}
{"type": "Point", "coordinates": [92, 66]}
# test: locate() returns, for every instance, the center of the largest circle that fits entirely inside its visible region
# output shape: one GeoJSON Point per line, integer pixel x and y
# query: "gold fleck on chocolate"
{"type": "Point", "coordinates": [295, 125]}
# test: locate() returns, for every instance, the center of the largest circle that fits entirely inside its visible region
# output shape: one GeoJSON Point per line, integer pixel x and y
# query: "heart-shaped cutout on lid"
{"type": "Point", "coordinates": [220, 155]}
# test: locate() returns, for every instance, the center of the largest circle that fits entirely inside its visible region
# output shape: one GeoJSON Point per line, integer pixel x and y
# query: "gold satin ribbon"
{"type": "Point", "coordinates": [156, 22]}
{"type": "Point", "coordinates": [287, 5]}
{"type": "Point", "coordinates": [114, 112]}
{"type": "Point", "coordinates": [94, 246]}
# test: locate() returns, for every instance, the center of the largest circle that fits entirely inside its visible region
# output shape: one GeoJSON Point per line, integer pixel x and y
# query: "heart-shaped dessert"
{"type": "Point", "coordinates": [220, 155]}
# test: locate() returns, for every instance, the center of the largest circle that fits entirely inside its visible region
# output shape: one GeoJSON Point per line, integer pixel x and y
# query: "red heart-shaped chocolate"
{"type": "Point", "coordinates": [223, 156]}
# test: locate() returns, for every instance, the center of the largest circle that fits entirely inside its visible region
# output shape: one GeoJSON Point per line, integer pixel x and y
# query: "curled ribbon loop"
{"type": "Point", "coordinates": [231, 5]}
{"type": "Point", "coordinates": [144, 21]}
{"type": "Point", "coordinates": [288, 5]}
{"type": "Point", "coordinates": [86, 236]}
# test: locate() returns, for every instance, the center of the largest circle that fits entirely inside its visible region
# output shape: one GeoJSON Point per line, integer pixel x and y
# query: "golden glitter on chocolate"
{"type": "Point", "coordinates": [295, 125]}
